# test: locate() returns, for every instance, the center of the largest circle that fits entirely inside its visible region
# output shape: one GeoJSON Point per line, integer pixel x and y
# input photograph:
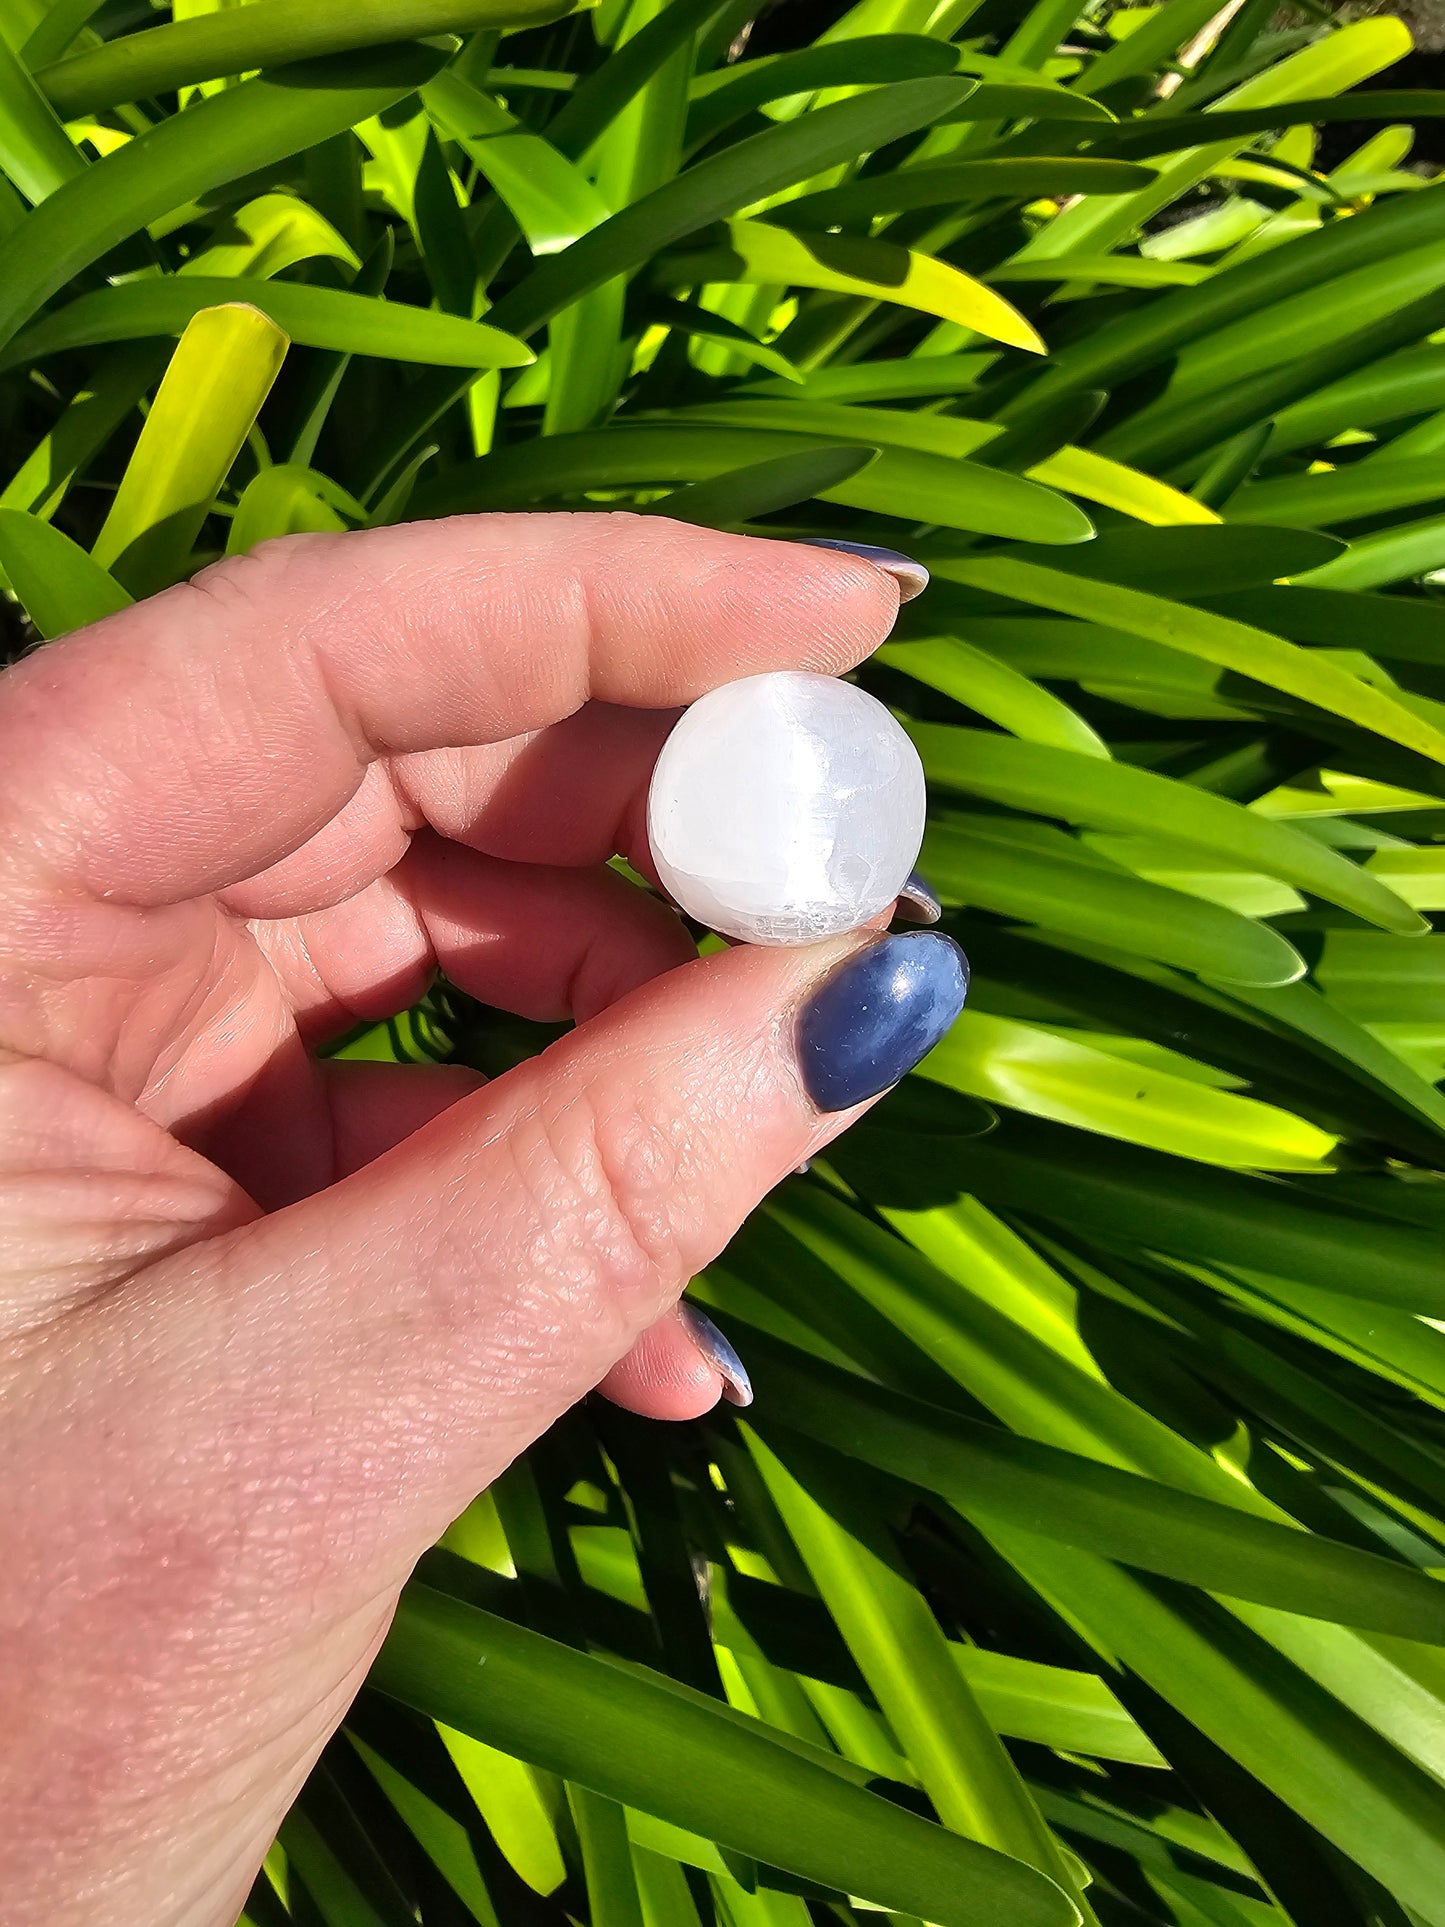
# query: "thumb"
{"type": "Point", "coordinates": [439, 1309]}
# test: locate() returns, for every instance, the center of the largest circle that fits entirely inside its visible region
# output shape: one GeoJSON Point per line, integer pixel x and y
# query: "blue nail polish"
{"type": "Point", "coordinates": [917, 901]}
{"type": "Point", "coordinates": [737, 1386]}
{"type": "Point", "coordinates": [877, 1015]}
{"type": "Point", "coordinates": [911, 576]}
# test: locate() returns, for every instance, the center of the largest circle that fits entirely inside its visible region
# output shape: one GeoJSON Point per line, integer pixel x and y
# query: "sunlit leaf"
{"type": "Point", "coordinates": [57, 583]}
{"type": "Point", "coordinates": [857, 265]}
{"type": "Point", "coordinates": [720, 186]}
{"type": "Point", "coordinates": [225, 361]}
{"type": "Point", "coordinates": [271, 33]}
{"type": "Point", "coordinates": [313, 317]}
{"type": "Point", "coordinates": [234, 133]}
{"type": "Point", "coordinates": [650, 1746]}
{"type": "Point", "coordinates": [1233, 645]}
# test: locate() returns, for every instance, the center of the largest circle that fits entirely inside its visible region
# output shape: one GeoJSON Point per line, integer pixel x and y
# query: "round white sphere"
{"type": "Point", "coordinates": [785, 808]}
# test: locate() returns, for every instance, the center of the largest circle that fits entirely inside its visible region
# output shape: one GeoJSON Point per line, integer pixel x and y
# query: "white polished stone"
{"type": "Point", "coordinates": [785, 808]}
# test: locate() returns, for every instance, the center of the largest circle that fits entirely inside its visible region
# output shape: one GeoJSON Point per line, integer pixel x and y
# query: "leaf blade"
{"type": "Point", "coordinates": [640, 1743]}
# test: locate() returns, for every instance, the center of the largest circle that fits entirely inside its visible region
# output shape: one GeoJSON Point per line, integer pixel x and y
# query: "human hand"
{"type": "Point", "coordinates": [267, 1324]}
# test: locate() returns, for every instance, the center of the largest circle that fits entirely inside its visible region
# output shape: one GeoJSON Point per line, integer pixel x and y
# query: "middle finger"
{"type": "Point", "coordinates": [573, 794]}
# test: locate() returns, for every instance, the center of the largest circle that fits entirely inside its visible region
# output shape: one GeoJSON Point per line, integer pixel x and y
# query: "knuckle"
{"type": "Point", "coordinates": [238, 582]}
{"type": "Point", "coordinates": [618, 1174]}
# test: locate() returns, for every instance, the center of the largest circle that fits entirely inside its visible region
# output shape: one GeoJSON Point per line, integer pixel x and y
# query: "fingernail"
{"type": "Point", "coordinates": [917, 902]}
{"type": "Point", "coordinates": [911, 576]}
{"type": "Point", "coordinates": [737, 1386]}
{"type": "Point", "coordinates": [875, 1016]}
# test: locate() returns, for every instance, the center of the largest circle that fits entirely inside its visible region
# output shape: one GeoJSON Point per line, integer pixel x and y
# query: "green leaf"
{"type": "Point", "coordinates": [1169, 433]}
{"type": "Point", "coordinates": [1315, 501]}
{"type": "Point", "coordinates": [1405, 384]}
{"type": "Point", "coordinates": [1204, 1214]}
{"type": "Point", "coordinates": [1166, 133]}
{"type": "Point", "coordinates": [271, 33]}
{"type": "Point", "coordinates": [61, 24]}
{"type": "Point", "coordinates": [1190, 562]}
{"type": "Point", "coordinates": [95, 410]}
{"type": "Point", "coordinates": [267, 235]}
{"type": "Point", "coordinates": [1309, 320]}
{"type": "Point", "coordinates": [601, 96]}
{"type": "Point", "coordinates": [1032, 1069]}
{"type": "Point", "coordinates": [219, 375]}
{"type": "Point", "coordinates": [723, 97]}
{"type": "Point", "coordinates": [1083, 471]}
{"type": "Point", "coordinates": [551, 201]}
{"type": "Point", "coordinates": [648, 1746]}
{"type": "Point", "coordinates": [1329, 65]}
{"type": "Point", "coordinates": [612, 1895]}
{"type": "Point", "coordinates": [898, 483]}
{"type": "Point", "coordinates": [1232, 645]}
{"type": "Point", "coordinates": [1053, 780]}
{"type": "Point", "coordinates": [949, 435]}
{"type": "Point", "coordinates": [1030, 872]}
{"type": "Point", "coordinates": [994, 1475]}
{"type": "Point", "coordinates": [218, 140]}
{"type": "Point", "coordinates": [441, 1836]}
{"type": "Point", "coordinates": [1390, 555]}
{"type": "Point", "coordinates": [328, 371]}
{"type": "Point", "coordinates": [1107, 270]}
{"type": "Point", "coordinates": [313, 317]}
{"type": "Point", "coordinates": [958, 182]}
{"type": "Point", "coordinates": [902, 1654]}
{"type": "Point", "coordinates": [1387, 626]}
{"type": "Point", "coordinates": [1140, 340]}
{"type": "Point", "coordinates": [762, 488]}
{"type": "Point", "coordinates": [894, 431]}
{"type": "Point", "coordinates": [286, 499]}
{"type": "Point", "coordinates": [59, 585]}
{"type": "Point", "coordinates": [1271, 1716]}
{"type": "Point", "coordinates": [1039, 100]}
{"type": "Point", "coordinates": [983, 683]}
{"type": "Point", "coordinates": [869, 381]}
{"type": "Point", "coordinates": [35, 150]}
{"type": "Point", "coordinates": [716, 188]}
{"type": "Point", "coordinates": [703, 324]}
{"type": "Point", "coordinates": [1163, 31]}
{"type": "Point", "coordinates": [330, 1855]}
{"type": "Point", "coordinates": [1054, 1706]}
{"type": "Point", "coordinates": [1376, 977]}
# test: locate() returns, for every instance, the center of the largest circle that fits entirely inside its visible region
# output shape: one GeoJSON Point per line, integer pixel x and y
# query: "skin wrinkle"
{"type": "Point", "coordinates": [367, 836]}
{"type": "Point", "coordinates": [214, 990]}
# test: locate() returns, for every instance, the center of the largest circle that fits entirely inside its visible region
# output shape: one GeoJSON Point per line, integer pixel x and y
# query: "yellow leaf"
{"type": "Point", "coordinates": [881, 271]}
{"type": "Point", "coordinates": [1079, 471]}
{"type": "Point", "coordinates": [219, 375]}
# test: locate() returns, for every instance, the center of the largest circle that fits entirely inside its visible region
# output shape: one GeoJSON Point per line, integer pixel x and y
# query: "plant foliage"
{"type": "Point", "coordinates": [1081, 1557]}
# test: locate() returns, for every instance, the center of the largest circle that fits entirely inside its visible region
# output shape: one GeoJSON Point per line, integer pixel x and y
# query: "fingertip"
{"type": "Point", "coordinates": [825, 608]}
{"type": "Point", "coordinates": [911, 576]}
{"type": "Point", "coordinates": [667, 1374]}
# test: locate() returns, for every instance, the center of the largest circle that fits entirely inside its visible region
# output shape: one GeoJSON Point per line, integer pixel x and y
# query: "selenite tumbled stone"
{"type": "Point", "coordinates": [785, 808]}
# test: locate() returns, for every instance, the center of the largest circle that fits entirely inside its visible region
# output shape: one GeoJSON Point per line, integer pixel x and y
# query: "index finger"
{"type": "Point", "coordinates": [197, 738]}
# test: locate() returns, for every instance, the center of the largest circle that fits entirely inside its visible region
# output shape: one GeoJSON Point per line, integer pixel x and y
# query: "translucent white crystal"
{"type": "Point", "coordinates": [785, 808]}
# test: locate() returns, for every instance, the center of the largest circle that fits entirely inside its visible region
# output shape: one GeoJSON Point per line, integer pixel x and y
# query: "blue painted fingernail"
{"type": "Point", "coordinates": [737, 1386]}
{"type": "Point", "coordinates": [877, 1014]}
{"type": "Point", "coordinates": [918, 902]}
{"type": "Point", "coordinates": [911, 576]}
